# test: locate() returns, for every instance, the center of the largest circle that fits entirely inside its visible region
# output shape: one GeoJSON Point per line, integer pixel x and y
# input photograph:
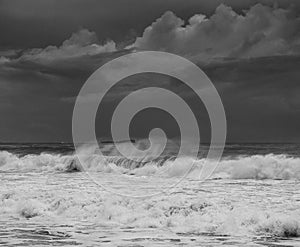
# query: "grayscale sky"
{"type": "Point", "coordinates": [249, 49]}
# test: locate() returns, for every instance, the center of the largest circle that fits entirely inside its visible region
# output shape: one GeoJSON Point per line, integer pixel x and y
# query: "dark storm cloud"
{"type": "Point", "coordinates": [260, 96]}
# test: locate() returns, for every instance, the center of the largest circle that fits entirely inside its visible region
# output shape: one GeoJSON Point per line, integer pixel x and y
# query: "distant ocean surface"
{"type": "Point", "coordinates": [234, 149]}
{"type": "Point", "coordinates": [48, 198]}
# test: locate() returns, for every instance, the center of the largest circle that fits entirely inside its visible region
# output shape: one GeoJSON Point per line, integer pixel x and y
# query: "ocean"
{"type": "Point", "coordinates": [48, 199]}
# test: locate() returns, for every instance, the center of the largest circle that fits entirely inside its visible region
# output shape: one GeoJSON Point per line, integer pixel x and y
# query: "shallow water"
{"type": "Point", "coordinates": [68, 209]}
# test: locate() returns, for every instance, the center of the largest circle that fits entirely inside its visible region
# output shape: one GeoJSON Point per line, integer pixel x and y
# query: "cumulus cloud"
{"type": "Point", "coordinates": [81, 43]}
{"type": "Point", "coordinates": [3, 60]}
{"type": "Point", "coordinates": [259, 31]}
{"type": "Point", "coordinates": [78, 56]}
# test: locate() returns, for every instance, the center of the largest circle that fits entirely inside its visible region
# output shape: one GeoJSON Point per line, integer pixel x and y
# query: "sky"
{"type": "Point", "coordinates": [249, 49]}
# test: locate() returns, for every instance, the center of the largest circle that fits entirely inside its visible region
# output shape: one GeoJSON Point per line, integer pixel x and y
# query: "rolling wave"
{"type": "Point", "coordinates": [268, 166]}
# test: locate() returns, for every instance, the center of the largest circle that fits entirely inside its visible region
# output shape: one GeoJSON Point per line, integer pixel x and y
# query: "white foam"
{"type": "Point", "coordinates": [181, 214]}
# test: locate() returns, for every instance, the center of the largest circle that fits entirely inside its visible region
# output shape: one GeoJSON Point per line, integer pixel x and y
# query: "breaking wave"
{"type": "Point", "coordinates": [268, 166]}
